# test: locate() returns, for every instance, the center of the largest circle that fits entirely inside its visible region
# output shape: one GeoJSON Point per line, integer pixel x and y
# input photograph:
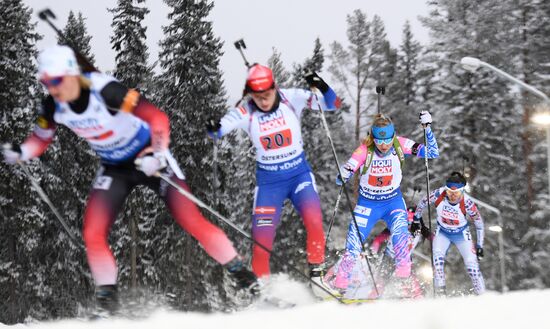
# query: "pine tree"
{"type": "Point", "coordinates": [129, 43]}
{"type": "Point", "coordinates": [76, 35]}
{"type": "Point", "coordinates": [192, 92]}
{"type": "Point", "coordinates": [472, 110]}
{"type": "Point", "coordinates": [352, 67]}
{"type": "Point", "coordinates": [134, 72]}
{"type": "Point", "coordinates": [280, 75]}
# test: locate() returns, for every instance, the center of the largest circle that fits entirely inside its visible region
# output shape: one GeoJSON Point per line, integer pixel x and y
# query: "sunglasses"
{"type": "Point", "coordinates": [385, 141]}
{"type": "Point", "coordinates": [53, 82]}
{"type": "Point", "coordinates": [454, 190]}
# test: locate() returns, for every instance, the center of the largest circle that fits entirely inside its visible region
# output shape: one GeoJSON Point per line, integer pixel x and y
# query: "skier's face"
{"type": "Point", "coordinates": [63, 89]}
{"type": "Point", "coordinates": [265, 99]}
{"type": "Point", "coordinates": [454, 195]}
{"type": "Point", "coordinates": [383, 147]}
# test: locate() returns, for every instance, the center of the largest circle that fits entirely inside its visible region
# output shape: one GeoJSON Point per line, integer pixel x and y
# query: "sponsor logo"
{"type": "Point", "coordinates": [278, 156]}
{"type": "Point", "coordinates": [264, 210]}
{"type": "Point", "coordinates": [84, 124]}
{"type": "Point", "coordinates": [103, 183]}
{"type": "Point", "coordinates": [242, 110]}
{"type": "Point", "coordinates": [264, 222]}
{"type": "Point", "coordinates": [361, 221]}
{"type": "Point", "coordinates": [301, 187]}
{"type": "Point", "coordinates": [361, 210]}
{"type": "Point", "coordinates": [271, 121]}
{"type": "Point", "coordinates": [381, 166]}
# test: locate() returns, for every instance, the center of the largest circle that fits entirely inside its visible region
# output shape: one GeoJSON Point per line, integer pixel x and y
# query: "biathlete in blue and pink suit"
{"type": "Point", "coordinates": [271, 117]}
{"type": "Point", "coordinates": [379, 160]}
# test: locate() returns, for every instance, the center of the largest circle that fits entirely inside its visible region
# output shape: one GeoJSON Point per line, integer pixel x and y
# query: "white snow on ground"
{"type": "Point", "coordinates": [515, 310]}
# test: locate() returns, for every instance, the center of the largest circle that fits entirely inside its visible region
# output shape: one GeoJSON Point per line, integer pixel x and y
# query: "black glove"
{"type": "Point", "coordinates": [313, 80]}
{"type": "Point", "coordinates": [425, 232]}
{"type": "Point", "coordinates": [213, 127]}
{"type": "Point", "coordinates": [416, 225]}
{"type": "Point", "coordinates": [479, 252]}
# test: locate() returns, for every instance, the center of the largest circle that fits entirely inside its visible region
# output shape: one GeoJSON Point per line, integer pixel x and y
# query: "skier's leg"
{"type": "Point", "coordinates": [441, 244]}
{"type": "Point", "coordinates": [104, 202]}
{"type": "Point", "coordinates": [396, 220]}
{"type": "Point", "coordinates": [467, 250]}
{"type": "Point", "coordinates": [268, 201]}
{"type": "Point", "coordinates": [366, 215]}
{"type": "Point", "coordinates": [188, 216]}
{"type": "Point", "coordinates": [306, 201]}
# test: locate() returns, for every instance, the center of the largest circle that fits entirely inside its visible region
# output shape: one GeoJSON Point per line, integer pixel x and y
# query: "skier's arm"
{"type": "Point", "coordinates": [473, 212]}
{"type": "Point", "coordinates": [119, 97]}
{"type": "Point", "coordinates": [357, 159]}
{"type": "Point", "coordinates": [424, 203]}
{"type": "Point", "coordinates": [237, 117]}
{"type": "Point", "coordinates": [43, 132]}
{"type": "Point", "coordinates": [411, 147]}
{"type": "Point", "coordinates": [329, 101]}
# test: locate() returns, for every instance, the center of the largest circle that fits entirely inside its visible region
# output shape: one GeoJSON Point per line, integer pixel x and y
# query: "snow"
{"type": "Point", "coordinates": [521, 309]}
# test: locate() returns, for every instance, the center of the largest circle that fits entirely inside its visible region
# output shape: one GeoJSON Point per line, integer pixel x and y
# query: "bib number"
{"type": "Point", "coordinates": [277, 140]}
{"type": "Point", "coordinates": [380, 180]}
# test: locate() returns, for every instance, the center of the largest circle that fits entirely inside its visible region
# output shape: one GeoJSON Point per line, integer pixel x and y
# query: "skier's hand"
{"type": "Point", "coordinates": [425, 118]}
{"type": "Point", "coordinates": [479, 252]}
{"type": "Point", "coordinates": [151, 164]}
{"type": "Point", "coordinates": [425, 232]}
{"type": "Point", "coordinates": [314, 81]}
{"type": "Point", "coordinates": [416, 225]}
{"type": "Point", "coordinates": [347, 172]}
{"type": "Point", "coordinates": [213, 127]}
{"type": "Point", "coordinates": [12, 153]}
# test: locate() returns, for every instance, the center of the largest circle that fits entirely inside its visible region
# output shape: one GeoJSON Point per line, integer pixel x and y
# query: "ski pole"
{"type": "Point", "coordinates": [426, 164]}
{"type": "Point", "coordinates": [47, 15]}
{"type": "Point", "coordinates": [380, 90]}
{"type": "Point", "coordinates": [232, 224]}
{"type": "Point", "coordinates": [215, 172]}
{"type": "Point", "coordinates": [335, 156]}
{"type": "Point", "coordinates": [334, 212]}
{"type": "Point", "coordinates": [45, 198]}
{"type": "Point", "coordinates": [240, 45]}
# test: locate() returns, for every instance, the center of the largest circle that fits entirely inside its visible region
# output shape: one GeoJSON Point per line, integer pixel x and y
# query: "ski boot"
{"type": "Point", "coordinates": [244, 278]}
{"type": "Point", "coordinates": [440, 292]}
{"type": "Point", "coordinates": [316, 274]}
{"type": "Point", "coordinates": [107, 298]}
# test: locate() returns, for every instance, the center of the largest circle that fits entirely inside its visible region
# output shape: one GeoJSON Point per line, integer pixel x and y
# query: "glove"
{"type": "Point", "coordinates": [150, 164]}
{"type": "Point", "coordinates": [347, 171]}
{"type": "Point", "coordinates": [416, 225]}
{"type": "Point", "coordinates": [479, 252]}
{"type": "Point", "coordinates": [12, 153]}
{"type": "Point", "coordinates": [425, 232]}
{"type": "Point", "coordinates": [213, 128]}
{"type": "Point", "coordinates": [314, 81]}
{"type": "Point", "coordinates": [425, 118]}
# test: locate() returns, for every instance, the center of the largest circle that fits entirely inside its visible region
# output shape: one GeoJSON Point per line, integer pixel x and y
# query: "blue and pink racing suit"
{"type": "Point", "coordinates": [282, 170]}
{"type": "Point", "coordinates": [380, 197]}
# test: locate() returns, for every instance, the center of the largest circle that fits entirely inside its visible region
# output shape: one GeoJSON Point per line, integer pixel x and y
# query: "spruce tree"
{"type": "Point", "coordinates": [192, 92]}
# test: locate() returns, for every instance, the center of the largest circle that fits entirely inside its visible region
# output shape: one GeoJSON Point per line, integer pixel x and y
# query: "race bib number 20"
{"type": "Point", "coordinates": [277, 140]}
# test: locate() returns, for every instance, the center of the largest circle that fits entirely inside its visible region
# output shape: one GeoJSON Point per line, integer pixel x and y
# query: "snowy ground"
{"type": "Point", "coordinates": [526, 309]}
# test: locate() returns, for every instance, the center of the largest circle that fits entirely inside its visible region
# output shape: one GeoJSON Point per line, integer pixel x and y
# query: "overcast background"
{"type": "Point", "coordinates": [291, 26]}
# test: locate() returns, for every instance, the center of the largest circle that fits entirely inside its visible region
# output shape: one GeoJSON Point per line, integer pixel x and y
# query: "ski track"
{"type": "Point", "coordinates": [521, 309]}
